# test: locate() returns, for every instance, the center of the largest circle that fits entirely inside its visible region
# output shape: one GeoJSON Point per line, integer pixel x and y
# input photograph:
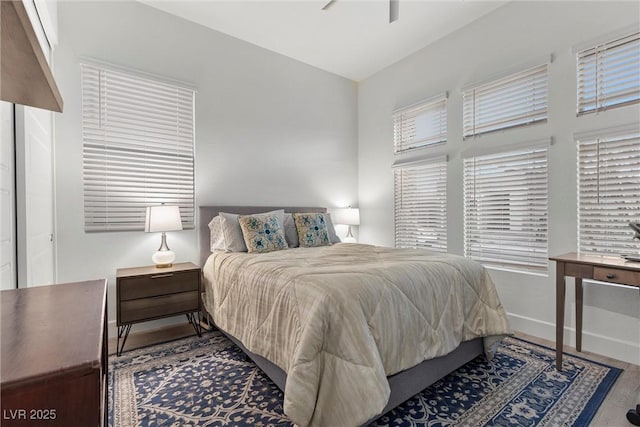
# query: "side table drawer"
{"type": "Point", "coordinates": [626, 277]}
{"type": "Point", "coordinates": [161, 306]}
{"type": "Point", "coordinates": [157, 284]}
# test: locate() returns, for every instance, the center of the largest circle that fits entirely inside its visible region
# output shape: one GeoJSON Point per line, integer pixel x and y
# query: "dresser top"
{"type": "Point", "coordinates": [51, 331]}
{"type": "Point", "coordinates": [152, 269]}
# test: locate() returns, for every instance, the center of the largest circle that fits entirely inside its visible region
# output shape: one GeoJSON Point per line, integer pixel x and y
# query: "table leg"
{"type": "Point", "coordinates": [123, 331]}
{"type": "Point", "coordinates": [196, 325]}
{"type": "Point", "coordinates": [578, 314]}
{"type": "Point", "coordinates": [560, 294]}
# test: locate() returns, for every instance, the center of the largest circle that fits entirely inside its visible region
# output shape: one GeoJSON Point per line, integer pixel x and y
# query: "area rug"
{"type": "Point", "coordinates": [209, 382]}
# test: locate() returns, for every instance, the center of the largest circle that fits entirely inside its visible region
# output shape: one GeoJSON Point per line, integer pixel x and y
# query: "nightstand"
{"type": "Point", "coordinates": [149, 293]}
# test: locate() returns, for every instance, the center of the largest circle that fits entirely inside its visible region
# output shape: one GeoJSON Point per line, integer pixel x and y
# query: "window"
{"type": "Point", "coordinates": [516, 100]}
{"type": "Point", "coordinates": [420, 125]}
{"type": "Point", "coordinates": [505, 209]}
{"type": "Point", "coordinates": [609, 75]}
{"type": "Point", "coordinates": [421, 206]}
{"type": "Point", "coordinates": [608, 191]}
{"type": "Point", "coordinates": [137, 138]}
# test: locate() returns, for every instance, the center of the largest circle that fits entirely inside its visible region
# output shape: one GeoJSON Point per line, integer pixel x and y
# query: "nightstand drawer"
{"type": "Point", "coordinates": [158, 284]}
{"type": "Point", "coordinates": [162, 306]}
{"type": "Point", "coordinates": [616, 275]}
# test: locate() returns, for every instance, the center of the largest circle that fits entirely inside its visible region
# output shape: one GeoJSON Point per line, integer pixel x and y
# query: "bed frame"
{"type": "Point", "coordinates": [404, 385]}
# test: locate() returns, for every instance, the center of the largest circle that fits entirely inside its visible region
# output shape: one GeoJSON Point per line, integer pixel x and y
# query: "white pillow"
{"type": "Point", "coordinates": [216, 239]}
{"type": "Point", "coordinates": [333, 237]}
{"type": "Point", "coordinates": [290, 231]}
{"type": "Point", "coordinates": [226, 233]}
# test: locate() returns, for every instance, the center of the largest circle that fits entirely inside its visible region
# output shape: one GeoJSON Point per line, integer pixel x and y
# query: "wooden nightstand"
{"type": "Point", "coordinates": [148, 293]}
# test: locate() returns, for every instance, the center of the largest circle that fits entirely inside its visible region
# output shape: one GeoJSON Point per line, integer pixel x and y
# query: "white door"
{"type": "Point", "coordinates": [35, 209]}
{"type": "Point", "coordinates": [7, 199]}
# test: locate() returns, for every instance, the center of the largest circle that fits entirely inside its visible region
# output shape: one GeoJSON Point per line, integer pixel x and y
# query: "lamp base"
{"type": "Point", "coordinates": [164, 265]}
{"type": "Point", "coordinates": [163, 259]}
{"type": "Point", "coordinates": [349, 238]}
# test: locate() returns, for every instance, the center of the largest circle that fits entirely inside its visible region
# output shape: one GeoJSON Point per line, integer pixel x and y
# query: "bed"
{"type": "Point", "coordinates": [349, 331]}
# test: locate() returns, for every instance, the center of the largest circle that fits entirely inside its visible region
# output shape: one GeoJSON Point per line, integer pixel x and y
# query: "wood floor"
{"type": "Point", "coordinates": [612, 413]}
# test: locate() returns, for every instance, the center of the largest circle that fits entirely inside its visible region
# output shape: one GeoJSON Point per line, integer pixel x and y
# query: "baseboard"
{"type": "Point", "coordinates": [625, 351]}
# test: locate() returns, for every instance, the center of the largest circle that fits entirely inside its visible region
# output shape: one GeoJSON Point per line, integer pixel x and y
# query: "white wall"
{"type": "Point", "coordinates": [269, 130]}
{"type": "Point", "coordinates": [513, 34]}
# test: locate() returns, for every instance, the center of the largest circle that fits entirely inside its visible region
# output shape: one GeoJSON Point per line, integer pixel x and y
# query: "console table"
{"type": "Point", "coordinates": [54, 355]}
{"type": "Point", "coordinates": [581, 266]}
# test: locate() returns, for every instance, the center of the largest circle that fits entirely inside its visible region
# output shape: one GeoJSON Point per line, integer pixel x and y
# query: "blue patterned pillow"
{"type": "Point", "coordinates": [262, 233]}
{"type": "Point", "coordinates": [312, 229]}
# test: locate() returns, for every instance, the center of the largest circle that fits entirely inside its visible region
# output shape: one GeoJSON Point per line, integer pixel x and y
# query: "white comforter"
{"type": "Point", "coordinates": [339, 319]}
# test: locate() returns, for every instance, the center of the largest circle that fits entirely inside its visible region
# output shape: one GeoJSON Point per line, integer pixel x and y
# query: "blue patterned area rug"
{"type": "Point", "coordinates": [208, 382]}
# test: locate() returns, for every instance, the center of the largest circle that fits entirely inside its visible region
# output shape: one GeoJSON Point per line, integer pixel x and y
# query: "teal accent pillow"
{"type": "Point", "coordinates": [312, 229]}
{"type": "Point", "coordinates": [262, 233]}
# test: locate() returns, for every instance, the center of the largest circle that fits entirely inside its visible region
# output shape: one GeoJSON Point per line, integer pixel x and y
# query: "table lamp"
{"type": "Point", "coordinates": [346, 216]}
{"type": "Point", "coordinates": [163, 218]}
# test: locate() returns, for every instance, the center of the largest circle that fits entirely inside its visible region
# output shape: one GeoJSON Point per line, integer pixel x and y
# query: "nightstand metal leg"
{"type": "Point", "coordinates": [123, 332]}
{"type": "Point", "coordinates": [194, 322]}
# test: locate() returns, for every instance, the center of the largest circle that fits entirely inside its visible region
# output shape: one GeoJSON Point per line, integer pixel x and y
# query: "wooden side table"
{"type": "Point", "coordinates": [580, 266]}
{"type": "Point", "coordinates": [149, 293]}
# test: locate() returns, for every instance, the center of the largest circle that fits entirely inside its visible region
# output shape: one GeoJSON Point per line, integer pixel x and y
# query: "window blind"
{"type": "Point", "coordinates": [505, 209]}
{"type": "Point", "coordinates": [608, 193]}
{"type": "Point", "coordinates": [516, 100]}
{"type": "Point", "coordinates": [420, 125]}
{"type": "Point", "coordinates": [421, 206]}
{"type": "Point", "coordinates": [137, 148]}
{"type": "Point", "coordinates": [609, 75]}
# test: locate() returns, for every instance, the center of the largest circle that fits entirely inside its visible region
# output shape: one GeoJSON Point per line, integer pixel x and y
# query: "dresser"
{"type": "Point", "coordinates": [54, 355]}
{"type": "Point", "coordinates": [148, 293]}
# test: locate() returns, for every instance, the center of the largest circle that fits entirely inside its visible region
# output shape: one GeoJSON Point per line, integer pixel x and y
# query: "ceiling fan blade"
{"type": "Point", "coordinates": [393, 10]}
{"type": "Point", "coordinates": [328, 5]}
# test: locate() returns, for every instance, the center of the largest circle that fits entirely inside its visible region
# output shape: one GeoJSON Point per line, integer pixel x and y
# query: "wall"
{"type": "Point", "coordinates": [269, 130]}
{"type": "Point", "coordinates": [517, 33]}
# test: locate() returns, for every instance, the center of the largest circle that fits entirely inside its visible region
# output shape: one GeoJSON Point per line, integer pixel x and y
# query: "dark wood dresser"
{"type": "Point", "coordinates": [54, 355]}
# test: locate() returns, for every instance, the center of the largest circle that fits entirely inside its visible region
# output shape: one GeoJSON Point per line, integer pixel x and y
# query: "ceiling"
{"type": "Point", "coordinates": [353, 38]}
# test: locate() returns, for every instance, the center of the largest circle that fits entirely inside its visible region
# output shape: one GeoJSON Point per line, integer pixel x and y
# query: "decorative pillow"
{"type": "Point", "coordinates": [262, 233]}
{"type": "Point", "coordinates": [333, 237]}
{"type": "Point", "coordinates": [233, 238]}
{"type": "Point", "coordinates": [312, 229]}
{"type": "Point", "coordinates": [290, 232]}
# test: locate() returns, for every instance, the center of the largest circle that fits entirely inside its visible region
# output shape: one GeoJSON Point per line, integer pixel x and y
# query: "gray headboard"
{"type": "Point", "coordinates": [206, 213]}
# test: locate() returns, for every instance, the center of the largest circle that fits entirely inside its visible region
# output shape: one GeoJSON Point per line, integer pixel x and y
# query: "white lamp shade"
{"type": "Point", "coordinates": [346, 216]}
{"type": "Point", "coordinates": [162, 218]}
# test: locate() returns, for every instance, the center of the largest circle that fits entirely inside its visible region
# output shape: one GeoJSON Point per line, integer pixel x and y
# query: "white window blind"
{"type": "Point", "coordinates": [137, 148]}
{"type": "Point", "coordinates": [608, 193]}
{"type": "Point", "coordinates": [421, 206]}
{"type": "Point", "coordinates": [516, 100]}
{"type": "Point", "coordinates": [609, 75]}
{"type": "Point", "coordinates": [505, 209]}
{"type": "Point", "coordinates": [420, 125]}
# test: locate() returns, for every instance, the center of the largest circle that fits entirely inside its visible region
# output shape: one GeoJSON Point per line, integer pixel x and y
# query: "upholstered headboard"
{"type": "Point", "coordinates": [206, 213]}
